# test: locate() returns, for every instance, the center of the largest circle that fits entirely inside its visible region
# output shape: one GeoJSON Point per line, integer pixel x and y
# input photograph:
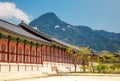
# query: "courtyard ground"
{"type": "Point", "coordinates": [77, 77]}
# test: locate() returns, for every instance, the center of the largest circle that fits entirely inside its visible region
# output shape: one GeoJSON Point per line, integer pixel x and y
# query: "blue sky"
{"type": "Point", "coordinates": [98, 14]}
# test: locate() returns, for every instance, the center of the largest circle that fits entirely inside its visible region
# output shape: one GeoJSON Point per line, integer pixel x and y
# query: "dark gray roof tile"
{"type": "Point", "coordinates": [19, 30]}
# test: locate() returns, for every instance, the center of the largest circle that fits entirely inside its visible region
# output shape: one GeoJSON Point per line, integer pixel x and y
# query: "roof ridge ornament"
{"type": "Point", "coordinates": [22, 21]}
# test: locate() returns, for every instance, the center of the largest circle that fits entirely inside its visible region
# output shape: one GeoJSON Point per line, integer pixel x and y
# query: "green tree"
{"type": "Point", "coordinates": [86, 57]}
{"type": "Point", "coordinates": [74, 54]}
{"type": "Point", "coordinates": [119, 55]}
{"type": "Point", "coordinates": [107, 60]}
{"type": "Point", "coordinates": [108, 57]}
{"type": "Point", "coordinates": [102, 67]}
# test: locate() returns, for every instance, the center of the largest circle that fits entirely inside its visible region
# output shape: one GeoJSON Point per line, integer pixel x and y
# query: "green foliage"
{"type": "Point", "coordinates": [84, 67]}
{"type": "Point", "coordinates": [37, 45]}
{"type": "Point", "coordinates": [117, 66]}
{"type": "Point", "coordinates": [108, 57]}
{"type": "Point", "coordinates": [2, 36]}
{"type": "Point", "coordinates": [11, 38]}
{"type": "Point", "coordinates": [113, 67]}
{"type": "Point", "coordinates": [102, 67]}
{"type": "Point", "coordinates": [19, 40]}
{"type": "Point", "coordinates": [70, 50]}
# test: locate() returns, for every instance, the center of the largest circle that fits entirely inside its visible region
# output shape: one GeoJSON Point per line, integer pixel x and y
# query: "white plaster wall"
{"type": "Point", "coordinates": [34, 67]}
{"type": "Point", "coordinates": [28, 67]}
{"type": "Point", "coordinates": [62, 67]}
{"type": "Point", "coordinates": [38, 69]}
{"type": "Point", "coordinates": [22, 68]}
{"type": "Point", "coordinates": [4, 67]}
{"type": "Point", "coordinates": [14, 73]}
{"type": "Point", "coordinates": [78, 68]}
{"type": "Point", "coordinates": [13, 67]}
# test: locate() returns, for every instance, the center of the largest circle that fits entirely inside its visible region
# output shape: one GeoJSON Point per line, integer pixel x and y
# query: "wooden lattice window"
{"type": "Point", "coordinates": [33, 52]}
{"type": "Point", "coordinates": [32, 58]}
{"type": "Point", "coordinates": [20, 52]}
{"type": "Point", "coordinates": [27, 51]}
{"type": "Point", "coordinates": [12, 53]}
{"type": "Point", "coordinates": [39, 60]}
{"type": "Point", "coordinates": [39, 54]}
{"type": "Point", "coordinates": [27, 57]}
{"type": "Point", "coordinates": [3, 48]}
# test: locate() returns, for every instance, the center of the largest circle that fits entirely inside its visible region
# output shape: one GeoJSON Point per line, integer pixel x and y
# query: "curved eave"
{"type": "Point", "coordinates": [4, 29]}
{"type": "Point", "coordinates": [61, 42]}
{"type": "Point", "coordinates": [8, 27]}
{"type": "Point", "coordinates": [35, 32]}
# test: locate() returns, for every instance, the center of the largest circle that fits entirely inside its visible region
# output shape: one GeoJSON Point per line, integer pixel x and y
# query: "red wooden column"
{"type": "Point", "coordinates": [46, 53]}
{"type": "Point", "coordinates": [58, 54]}
{"type": "Point", "coordinates": [50, 53]}
{"type": "Point", "coordinates": [8, 45]}
{"type": "Point", "coordinates": [54, 54]}
{"type": "Point", "coordinates": [36, 54]}
{"type": "Point", "coordinates": [31, 43]}
{"type": "Point", "coordinates": [37, 46]}
{"type": "Point", "coordinates": [17, 49]}
{"type": "Point", "coordinates": [16, 52]}
{"type": "Point", "coordinates": [69, 57]}
{"type": "Point", "coordinates": [30, 52]}
{"type": "Point", "coordinates": [63, 56]}
{"type": "Point", "coordinates": [42, 54]}
{"type": "Point", "coordinates": [24, 46]}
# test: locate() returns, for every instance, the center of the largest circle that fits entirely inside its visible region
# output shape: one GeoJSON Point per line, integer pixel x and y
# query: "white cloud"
{"type": "Point", "coordinates": [9, 11]}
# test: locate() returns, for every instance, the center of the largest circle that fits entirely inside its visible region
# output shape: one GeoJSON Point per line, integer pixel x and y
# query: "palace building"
{"type": "Point", "coordinates": [26, 50]}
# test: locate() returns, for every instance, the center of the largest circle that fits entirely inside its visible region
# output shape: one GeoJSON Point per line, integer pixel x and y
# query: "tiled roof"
{"type": "Point", "coordinates": [18, 30]}
{"type": "Point", "coordinates": [39, 34]}
{"type": "Point", "coordinates": [66, 44]}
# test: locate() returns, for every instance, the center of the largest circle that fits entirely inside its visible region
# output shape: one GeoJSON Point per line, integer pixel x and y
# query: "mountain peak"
{"type": "Point", "coordinates": [50, 24]}
{"type": "Point", "coordinates": [48, 20]}
{"type": "Point", "coordinates": [50, 15]}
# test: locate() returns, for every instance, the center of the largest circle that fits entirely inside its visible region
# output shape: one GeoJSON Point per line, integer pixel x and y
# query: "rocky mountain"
{"type": "Point", "coordinates": [80, 35]}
